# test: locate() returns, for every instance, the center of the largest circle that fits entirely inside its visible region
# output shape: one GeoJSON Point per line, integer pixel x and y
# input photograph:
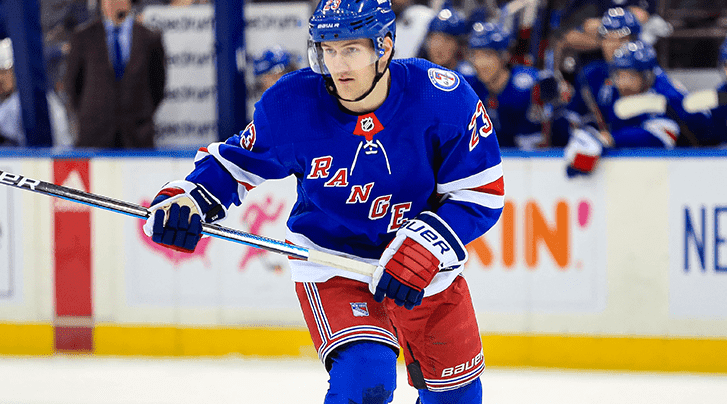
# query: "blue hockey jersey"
{"type": "Point", "coordinates": [631, 133]}
{"type": "Point", "coordinates": [516, 116]}
{"type": "Point", "coordinates": [429, 147]}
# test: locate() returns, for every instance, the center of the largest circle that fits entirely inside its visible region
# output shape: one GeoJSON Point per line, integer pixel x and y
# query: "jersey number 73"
{"type": "Point", "coordinates": [484, 130]}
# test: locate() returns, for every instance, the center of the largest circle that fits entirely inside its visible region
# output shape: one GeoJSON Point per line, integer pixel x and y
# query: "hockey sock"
{"type": "Point", "coordinates": [468, 394]}
{"type": "Point", "coordinates": [362, 372]}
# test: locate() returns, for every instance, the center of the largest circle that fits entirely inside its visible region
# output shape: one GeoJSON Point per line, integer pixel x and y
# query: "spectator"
{"type": "Point", "coordinates": [412, 23]}
{"type": "Point", "coordinates": [12, 132]}
{"type": "Point", "coordinates": [443, 44]}
{"type": "Point", "coordinates": [115, 79]}
{"type": "Point", "coordinates": [511, 95]}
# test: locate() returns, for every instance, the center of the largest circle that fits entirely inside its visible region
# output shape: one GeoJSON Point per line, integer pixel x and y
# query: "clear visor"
{"type": "Point", "coordinates": [333, 58]}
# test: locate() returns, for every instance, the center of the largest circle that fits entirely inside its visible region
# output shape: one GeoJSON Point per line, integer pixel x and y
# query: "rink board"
{"type": "Point", "coordinates": [622, 270]}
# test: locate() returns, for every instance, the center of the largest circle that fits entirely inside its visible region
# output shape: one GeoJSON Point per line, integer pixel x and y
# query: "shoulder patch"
{"type": "Point", "coordinates": [443, 79]}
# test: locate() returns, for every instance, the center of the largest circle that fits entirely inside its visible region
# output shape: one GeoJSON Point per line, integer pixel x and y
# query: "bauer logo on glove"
{"type": "Point", "coordinates": [422, 247]}
{"type": "Point", "coordinates": [176, 215]}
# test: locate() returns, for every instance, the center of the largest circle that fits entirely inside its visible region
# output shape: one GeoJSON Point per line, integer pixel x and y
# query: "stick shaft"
{"type": "Point", "coordinates": [214, 230]}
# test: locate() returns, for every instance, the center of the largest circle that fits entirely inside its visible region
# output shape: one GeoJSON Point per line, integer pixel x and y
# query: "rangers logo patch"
{"type": "Point", "coordinates": [443, 79]}
{"type": "Point", "coordinates": [360, 309]}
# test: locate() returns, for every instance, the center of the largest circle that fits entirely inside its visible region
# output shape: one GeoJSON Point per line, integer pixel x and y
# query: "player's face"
{"type": "Point", "coordinates": [351, 64]}
{"type": "Point", "coordinates": [628, 82]}
{"type": "Point", "coordinates": [442, 49]}
{"type": "Point", "coordinates": [610, 43]}
{"type": "Point", "coordinates": [487, 62]}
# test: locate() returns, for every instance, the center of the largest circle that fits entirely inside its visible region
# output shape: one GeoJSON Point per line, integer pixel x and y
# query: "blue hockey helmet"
{"type": "Point", "coordinates": [479, 14]}
{"type": "Point", "coordinates": [449, 21]}
{"type": "Point", "coordinates": [487, 35]}
{"type": "Point", "coordinates": [273, 60]}
{"type": "Point", "coordinates": [723, 53]}
{"type": "Point", "coordinates": [337, 20]}
{"type": "Point", "coordinates": [620, 22]}
{"type": "Point", "coordinates": [635, 55]}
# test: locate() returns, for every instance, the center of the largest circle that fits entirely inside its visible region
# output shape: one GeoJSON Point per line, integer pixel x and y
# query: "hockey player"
{"type": "Point", "coordinates": [397, 165]}
{"type": "Point", "coordinates": [511, 95]}
{"type": "Point", "coordinates": [271, 65]}
{"type": "Point", "coordinates": [444, 42]}
{"type": "Point", "coordinates": [714, 103]}
{"type": "Point", "coordinates": [618, 26]}
{"type": "Point", "coordinates": [633, 73]}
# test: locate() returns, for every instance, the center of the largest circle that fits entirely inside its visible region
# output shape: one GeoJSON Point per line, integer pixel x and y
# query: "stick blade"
{"type": "Point", "coordinates": [640, 104]}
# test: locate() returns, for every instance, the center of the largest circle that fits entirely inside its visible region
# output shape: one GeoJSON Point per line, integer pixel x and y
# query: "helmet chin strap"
{"type": "Point", "coordinates": [331, 87]}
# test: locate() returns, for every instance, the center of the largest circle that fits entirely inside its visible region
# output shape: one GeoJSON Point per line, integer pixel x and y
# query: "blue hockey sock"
{"type": "Point", "coordinates": [362, 373]}
{"type": "Point", "coordinates": [469, 394]}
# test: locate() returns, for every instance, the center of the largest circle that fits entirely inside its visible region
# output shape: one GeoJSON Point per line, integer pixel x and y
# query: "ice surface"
{"type": "Point", "coordinates": [102, 380]}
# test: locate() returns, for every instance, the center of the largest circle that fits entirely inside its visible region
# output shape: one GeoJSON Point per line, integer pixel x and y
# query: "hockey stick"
{"type": "Point", "coordinates": [603, 131]}
{"type": "Point", "coordinates": [635, 105]}
{"type": "Point", "coordinates": [704, 100]}
{"type": "Point", "coordinates": [214, 230]}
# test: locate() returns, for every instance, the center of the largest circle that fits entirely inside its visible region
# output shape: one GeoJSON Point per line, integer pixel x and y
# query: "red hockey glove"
{"type": "Point", "coordinates": [422, 247]}
{"type": "Point", "coordinates": [582, 151]}
{"type": "Point", "coordinates": [177, 213]}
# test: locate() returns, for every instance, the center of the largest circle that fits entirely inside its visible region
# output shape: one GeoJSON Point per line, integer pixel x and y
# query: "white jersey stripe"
{"type": "Point", "coordinates": [488, 176]}
{"type": "Point", "coordinates": [238, 173]}
{"type": "Point", "coordinates": [479, 198]}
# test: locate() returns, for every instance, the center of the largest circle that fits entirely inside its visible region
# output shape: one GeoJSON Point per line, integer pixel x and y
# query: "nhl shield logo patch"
{"type": "Point", "coordinates": [367, 124]}
{"type": "Point", "coordinates": [360, 309]}
{"type": "Point", "coordinates": [443, 79]}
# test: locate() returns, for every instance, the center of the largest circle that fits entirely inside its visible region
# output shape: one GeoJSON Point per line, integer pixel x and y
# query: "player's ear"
{"type": "Point", "coordinates": [388, 48]}
{"type": "Point", "coordinates": [388, 53]}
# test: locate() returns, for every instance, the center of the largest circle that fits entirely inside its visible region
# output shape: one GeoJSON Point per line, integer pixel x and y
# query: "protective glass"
{"type": "Point", "coordinates": [337, 57]}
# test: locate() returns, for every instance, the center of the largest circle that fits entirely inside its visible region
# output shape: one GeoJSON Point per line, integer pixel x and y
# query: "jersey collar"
{"type": "Point", "coordinates": [384, 114]}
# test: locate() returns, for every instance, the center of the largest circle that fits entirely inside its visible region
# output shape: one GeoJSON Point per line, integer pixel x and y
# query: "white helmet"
{"type": "Point", "coordinates": [6, 54]}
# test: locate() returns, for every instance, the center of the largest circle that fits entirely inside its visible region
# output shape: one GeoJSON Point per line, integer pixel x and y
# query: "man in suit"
{"type": "Point", "coordinates": [115, 79]}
